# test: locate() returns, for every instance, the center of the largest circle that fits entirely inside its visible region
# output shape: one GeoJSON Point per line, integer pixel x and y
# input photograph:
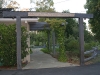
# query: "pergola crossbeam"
{"type": "Point", "coordinates": [24, 14]}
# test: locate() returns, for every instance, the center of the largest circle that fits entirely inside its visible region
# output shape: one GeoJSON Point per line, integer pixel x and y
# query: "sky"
{"type": "Point", "coordinates": [74, 6]}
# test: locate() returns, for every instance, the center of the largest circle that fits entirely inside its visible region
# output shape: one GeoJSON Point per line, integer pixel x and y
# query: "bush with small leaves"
{"type": "Point", "coordinates": [8, 44]}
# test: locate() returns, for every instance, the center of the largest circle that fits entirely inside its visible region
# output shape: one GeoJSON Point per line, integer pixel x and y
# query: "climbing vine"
{"type": "Point", "coordinates": [58, 26]}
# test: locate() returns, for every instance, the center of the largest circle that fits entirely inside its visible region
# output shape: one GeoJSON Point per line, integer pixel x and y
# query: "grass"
{"type": "Point", "coordinates": [45, 50]}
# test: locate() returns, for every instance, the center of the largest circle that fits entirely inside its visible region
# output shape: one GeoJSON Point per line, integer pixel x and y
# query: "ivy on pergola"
{"type": "Point", "coordinates": [55, 29]}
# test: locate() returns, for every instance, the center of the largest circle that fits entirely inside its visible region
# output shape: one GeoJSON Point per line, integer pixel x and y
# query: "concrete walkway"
{"type": "Point", "coordinates": [42, 60]}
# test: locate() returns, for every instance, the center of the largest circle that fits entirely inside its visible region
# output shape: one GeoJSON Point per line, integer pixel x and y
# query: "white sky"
{"type": "Point", "coordinates": [24, 3]}
{"type": "Point", "coordinates": [74, 6]}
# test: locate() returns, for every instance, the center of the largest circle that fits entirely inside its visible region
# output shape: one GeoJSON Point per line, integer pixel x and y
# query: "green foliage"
{"type": "Point", "coordinates": [98, 46]}
{"type": "Point", "coordinates": [59, 29]}
{"type": "Point", "coordinates": [72, 38]}
{"type": "Point", "coordinates": [38, 39]}
{"type": "Point", "coordinates": [31, 51]}
{"type": "Point", "coordinates": [93, 7]}
{"type": "Point", "coordinates": [90, 45]}
{"type": "Point", "coordinates": [8, 44]}
{"type": "Point", "coordinates": [72, 46]}
{"type": "Point", "coordinates": [71, 27]}
{"type": "Point", "coordinates": [45, 50]}
{"type": "Point", "coordinates": [88, 37]}
{"type": "Point", "coordinates": [1, 2]}
{"type": "Point", "coordinates": [44, 6]}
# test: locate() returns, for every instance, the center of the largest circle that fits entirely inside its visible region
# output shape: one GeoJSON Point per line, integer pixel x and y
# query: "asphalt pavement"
{"type": "Point", "coordinates": [93, 69]}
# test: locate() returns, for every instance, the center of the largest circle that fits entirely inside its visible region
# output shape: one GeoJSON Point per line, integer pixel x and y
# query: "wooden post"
{"type": "Point", "coordinates": [53, 39]}
{"type": "Point", "coordinates": [18, 28]}
{"type": "Point", "coordinates": [48, 40]}
{"type": "Point", "coordinates": [81, 40]}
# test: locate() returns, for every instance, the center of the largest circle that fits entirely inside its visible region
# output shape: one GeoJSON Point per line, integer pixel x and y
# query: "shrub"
{"type": "Point", "coordinates": [45, 50]}
{"type": "Point", "coordinates": [8, 44]}
{"type": "Point", "coordinates": [72, 46]}
{"type": "Point", "coordinates": [38, 39]}
{"type": "Point", "coordinates": [59, 29]}
{"type": "Point", "coordinates": [90, 45]}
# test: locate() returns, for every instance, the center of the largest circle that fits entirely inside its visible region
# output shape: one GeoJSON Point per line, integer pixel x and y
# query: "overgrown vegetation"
{"type": "Point", "coordinates": [67, 36]}
{"type": "Point", "coordinates": [93, 7]}
{"type": "Point", "coordinates": [8, 44]}
{"type": "Point", "coordinates": [38, 39]}
{"type": "Point", "coordinates": [45, 50]}
{"type": "Point", "coordinates": [59, 29]}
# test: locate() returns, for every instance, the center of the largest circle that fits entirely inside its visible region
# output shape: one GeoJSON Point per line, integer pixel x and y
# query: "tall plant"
{"type": "Point", "coordinates": [93, 6]}
{"type": "Point", "coordinates": [59, 29]}
{"type": "Point", "coordinates": [8, 44]}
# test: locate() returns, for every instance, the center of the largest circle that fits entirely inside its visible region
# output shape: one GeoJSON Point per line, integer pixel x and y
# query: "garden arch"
{"type": "Point", "coordinates": [29, 14]}
{"type": "Point", "coordinates": [41, 26]}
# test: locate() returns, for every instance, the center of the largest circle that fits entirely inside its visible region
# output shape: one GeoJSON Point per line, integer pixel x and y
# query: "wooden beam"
{"type": "Point", "coordinates": [48, 40]}
{"type": "Point", "coordinates": [78, 15]}
{"type": "Point", "coordinates": [64, 15]}
{"type": "Point", "coordinates": [13, 14]}
{"type": "Point", "coordinates": [18, 28]}
{"type": "Point", "coordinates": [26, 14]}
{"type": "Point", "coordinates": [53, 40]}
{"type": "Point", "coordinates": [38, 25]}
{"type": "Point", "coordinates": [46, 14]}
{"type": "Point", "coordinates": [81, 40]}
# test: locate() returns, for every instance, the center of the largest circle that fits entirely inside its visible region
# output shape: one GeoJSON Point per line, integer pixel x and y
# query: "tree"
{"type": "Point", "coordinates": [1, 2]}
{"type": "Point", "coordinates": [38, 39]}
{"type": "Point", "coordinates": [71, 27]}
{"type": "Point", "coordinates": [4, 3]}
{"type": "Point", "coordinates": [44, 6]}
{"type": "Point", "coordinates": [13, 4]}
{"type": "Point", "coordinates": [93, 6]}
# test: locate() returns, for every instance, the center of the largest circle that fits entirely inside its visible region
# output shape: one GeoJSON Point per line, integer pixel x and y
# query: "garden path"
{"type": "Point", "coordinates": [42, 60]}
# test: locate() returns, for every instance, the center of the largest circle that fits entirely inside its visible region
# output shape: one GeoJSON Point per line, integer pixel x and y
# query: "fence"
{"type": "Point", "coordinates": [94, 54]}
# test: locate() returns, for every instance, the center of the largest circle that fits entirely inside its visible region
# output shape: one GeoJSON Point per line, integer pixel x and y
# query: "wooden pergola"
{"type": "Point", "coordinates": [29, 14]}
{"type": "Point", "coordinates": [41, 26]}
